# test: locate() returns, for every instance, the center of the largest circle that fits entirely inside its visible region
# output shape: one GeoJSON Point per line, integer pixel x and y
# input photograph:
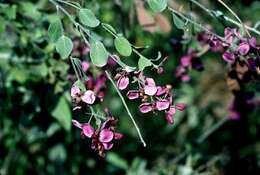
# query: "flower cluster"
{"type": "Point", "coordinates": [247, 48]}
{"type": "Point", "coordinates": [154, 98]}
{"type": "Point", "coordinates": [102, 138]}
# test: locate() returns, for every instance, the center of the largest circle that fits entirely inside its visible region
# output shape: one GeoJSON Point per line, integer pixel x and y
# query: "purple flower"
{"type": "Point", "coordinates": [122, 83]}
{"type": "Point", "coordinates": [243, 48]}
{"type": "Point", "coordinates": [162, 105]}
{"type": "Point", "coordinates": [180, 106]}
{"type": "Point", "coordinates": [228, 57]}
{"type": "Point", "coordinates": [145, 107]}
{"type": "Point", "coordinates": [150, 87]}
{"type": "Point", "coordinates": [101, 139]}
{"type": "Point", "coordinates": [88, 97]}
{"type": "Point", "coordinates": [252, 42]}
{"type": "Point", "coordinates": [133, 94]}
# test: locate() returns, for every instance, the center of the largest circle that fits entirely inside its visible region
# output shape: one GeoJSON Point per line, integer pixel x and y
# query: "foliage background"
{"type": "Point", "coordinates": [36, 135]}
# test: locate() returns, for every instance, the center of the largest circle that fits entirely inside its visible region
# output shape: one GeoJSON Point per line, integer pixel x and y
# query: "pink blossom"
{"type": "Point", "coordinates": [122, 83]}
{"type": "Point", "coordinates": [88, 97]}
{"type": "Point", "coordinates": [133, 94]}
{"type": "Point", "coordinates": [145, 107]}
{"type": "Point", "coordinates": [150, 87]}
{"type": "Point", "coordinates": [228, 57]}
{"type": "Point", "coordinates": [243, 48]}
{"type": "Point", "coordinates": [162, 104]}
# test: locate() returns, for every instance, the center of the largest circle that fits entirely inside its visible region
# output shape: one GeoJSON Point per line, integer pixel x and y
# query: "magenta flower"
{"type": "Point", "coordinates": [101, 139]}
{"type": "Point", "coordinates": [88, 97]}
{"type": "Point", "coordinates": [243, 48]}
{"type": "Point", "coordinates": [133, 94]}
{"type": "Point", "coordinates": [186, 61]}
{"type": "Point", "coordinates": [145, 107]}
{"type": "Point", "coordinates": [162, 105]}
{"type": "Point", "coordinates": [228, 57]}
{"type": "Point", "coordinates": [150, 87]}
{"type": "Point", "coordinates": [122, 83]}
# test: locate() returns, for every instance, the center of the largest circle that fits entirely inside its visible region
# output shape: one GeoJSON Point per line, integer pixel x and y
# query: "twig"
{"type": "Point", "coordinates": [226, 18]}
{"type": "Point", "coordinates": [125, 105]}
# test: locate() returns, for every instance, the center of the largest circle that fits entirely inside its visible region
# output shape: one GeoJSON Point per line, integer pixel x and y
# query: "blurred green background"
{"type": "Point", "coordinates": [36, 135]}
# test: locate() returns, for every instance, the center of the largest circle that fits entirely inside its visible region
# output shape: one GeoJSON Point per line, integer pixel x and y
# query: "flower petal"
{"type": "Point", "coordinates": [118, 136]}
{"type": "Point", "coordinates": [106, 135]}
{"type": "Point", "coordinates": [145, 107]}
{"type": "Point", "coordinates": [88, 97]}
{"type": "Point", "coordinates": [243, 48]}
{"type": "Point", "coordinates": [171, 111]}
{"type": "Point", "coordinates": [186, 60]}
{"type": "Point", "coordinates": [162, 104]}
{"type": "Point", "coordinates": [85, 65]}
{"type": "Point", "coordinates": [77, 124]}
{"type": "Point", "coordinates": [169, 118]}
{"type": "Point", "coordinates": [122, 83]}
{"type": "Point", "coordinates": [150, 90]}
{"type": "Point", "coordinates": [76, 108]}
{"type": "Point", "coordinates": [185, 78]}
{"type": "Point", "coordinates": [108, 146]}
{"type": "Point", "coordinates": [87, 130]}
{"type": "Point", "coordinates": [228, 57]}
{"type": "Point", "coordinates": [133, 94]}
{"type": "Point", "coordinates": [160, 91]}
{"type": "Point", "coordinates": [74, 91]}
{"type": "Point", "coordinates": [180, 106]}
{"type": "Point", "coordinates": [149, 82]}
{"type": "Point", "coordinates": [252, 42]}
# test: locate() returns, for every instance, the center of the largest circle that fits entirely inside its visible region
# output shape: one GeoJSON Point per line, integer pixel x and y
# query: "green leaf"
{"type": "Point", "coordinates": [177, 21]}
{"type": "Point", "coordinates": [98, 54]}
{"type": "Point", "coordinates": [117, 161]}
{"type": "Point", "coordinates": [55, 31]}
{"type": "Point", "coordinates": [143, 63]}
{"type": "Point", "coordinates": [64, 46]}
{"type": "Point", "coordinates": [109, 27]}
{"type": "Point", "coordinates": [88, 18]}
{"type": "Point", "coordinates": [2, 26]}
{"type": "Point", "coordinates": [79, 71]}
{"type": "Point", "coordinates": [61, 112]}
{"type": "Point", "coordinates": [80, 85]}
{"type": "Point", "coordinates": [123, 46]}
{"type": "Point", "coordinates": [157, 5]}
{"type": "Point", "coordinates": [57, 153]}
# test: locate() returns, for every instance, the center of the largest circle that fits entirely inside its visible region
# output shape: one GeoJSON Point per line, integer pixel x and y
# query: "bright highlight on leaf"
{"type": "Point", "coordinates": [64, 46]}
{"type": "Point", "coordinates": [55, 31]}
{"type": "Point", "coordinates": [143, 63]}
{"type": "Point", "coordinates": [98, 54]}
{"type": "Point", "coordinates": [177, 21]}
{"type": "Point", "coordinates": [157, 5]}
{"type": "Point", "coordinates": [123, 46]}
{"type": "Point", "coordinates": [88, 18]}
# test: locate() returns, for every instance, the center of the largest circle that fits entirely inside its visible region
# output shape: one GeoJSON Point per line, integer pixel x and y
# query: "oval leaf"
{"type": "Point", "coordinates": [98, 54]}
{"type": "Point", "coordinates": [123, 46]}
{"type": "Point", "coordinates": [143, 63]}
{"type": "Point", "coordinates": [157, 5]}
{"type": "Point", "coordinates": [62, 113]}
{"type": "Point", "coordinates": [88, 18]}
{"type": "Point", "coordinates": [178, 22]}
{"type": "Point", "coordinates": [64, 46]}
{"type": "Point", "coordinates": [55, 31]}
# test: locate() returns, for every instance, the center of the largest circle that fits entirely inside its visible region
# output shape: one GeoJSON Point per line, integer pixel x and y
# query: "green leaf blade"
{"type": "Point", "coordinates": [123, 46]}
{"type": "Point", "coordinates": [64, 46]}
{"type": "Point", "coordinates": [178, 22]}
{"type": "Point", "coordinates": [88, 18]}
{"type": "Point", "coordinates": [61, 112]}
{"type": "Point", "coordinates": [143, 63]}
{"type": "Point", "coordinates": [55, 31]}
{"type": "Point", "coordinates": [98, 54]}
{"type": "Point", "coordinates": [157, 5]}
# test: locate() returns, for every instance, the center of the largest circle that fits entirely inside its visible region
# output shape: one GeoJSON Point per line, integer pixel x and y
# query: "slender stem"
{"type": "Point", "coordinates": [75, 69]}
{"type": "Point", "coordinates": [70, 4]}
{"type": "Point", "coordinates": [234, 14]}
{"type": "Point", "coordinates": [225, 17]}
{"type": "Point", "coordinates": [107, 29]}
{"type": "Point", "coordinates": [125, 105]}
{"type": "Point", "coordinates": [58, 14]}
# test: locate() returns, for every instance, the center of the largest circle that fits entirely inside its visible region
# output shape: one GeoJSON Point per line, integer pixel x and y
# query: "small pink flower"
{"type": "Point", "coordinates": [180, 106]}
{"type": "Point", "coordinates": [150, 87]}
{"type": "Point", "coordinates": [122, 83]}
{"type": "Point", "coordinates": [133, 94]}
{"type": "Point", "coordinates": [145, 107]}
{"type": "Point", "coordinates": [88, 97]}
{"type": "Point", "coordinates": [252, 42]}
{"type": "Point", "coordinates": [185, 78]}
{"type": "Point", "coordinates": [75, 91]}
{"type": "Point", "coordinates": [243, 48]}
{"type": "Point", "coordinates": [186, 60]}
{"type": "Point", "coordinates": [162, 104]}
{"type": "Point", "coordinates": [160, 91]}
{"type": "Point", "coordinates": [106, 135]}
{"type": "Point", "coordinates": [85, 66]}
{"type": "Point", "coordinates": [228, 57]}
{"type": "Point", "coordinates": [169, 118]}
{"type": "Point", "coordinates": [160, 70]}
